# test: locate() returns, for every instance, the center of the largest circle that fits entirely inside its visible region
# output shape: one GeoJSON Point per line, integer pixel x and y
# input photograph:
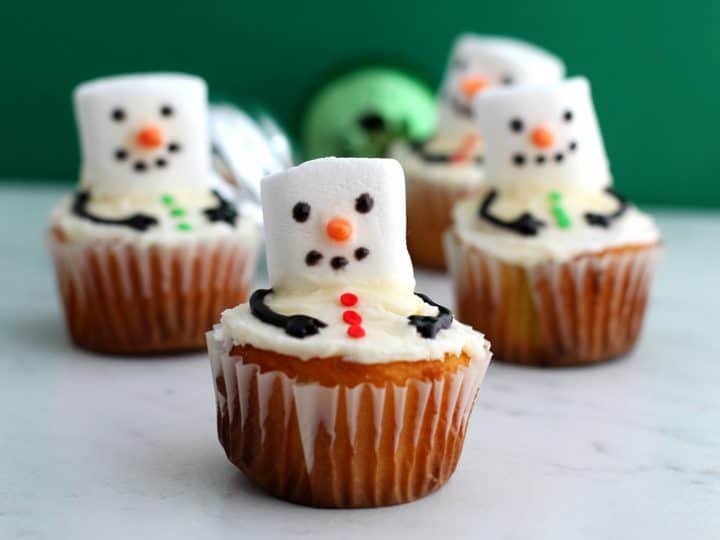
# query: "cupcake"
{"type": "Point", "coordinates": [551, 262]}
{"type": "Point", "coordinates": [147, 251]}
{"type": "Point", "coordinates": [340, 386]}
{"type": "Point", "coordinates": [449, 165]}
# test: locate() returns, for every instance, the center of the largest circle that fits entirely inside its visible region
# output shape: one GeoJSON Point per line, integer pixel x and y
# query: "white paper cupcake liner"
{"type": "Point", "coordinates": [350, 446]}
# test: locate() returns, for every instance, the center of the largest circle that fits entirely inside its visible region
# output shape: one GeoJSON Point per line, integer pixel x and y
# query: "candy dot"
{"type": "Point", "coordinates": [352, 317]}
{"type": "Point", "coordinates": [348, 299]}
{"type": "Point", "coordinates": [356, 331]}
{"type": "Point", "coordinates": [177, 212]}
{"type": "Point", "coordinates": [167, 199]}
{"type": "Point", "coordinates": [184, 226]}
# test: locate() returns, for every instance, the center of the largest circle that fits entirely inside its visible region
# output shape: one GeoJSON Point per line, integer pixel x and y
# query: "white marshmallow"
{"type": "Point", "coordinates": [111, 112]}
{"type": "Point", "coordinates": [498, 61]}
{"type": "Point", "coordinates": [526, 129]}
{"type": "Point", "coordinates": [331, 187]}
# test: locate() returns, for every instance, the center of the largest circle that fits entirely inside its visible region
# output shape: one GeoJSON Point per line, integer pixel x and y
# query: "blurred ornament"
{"type": "Point", "coordinates": [361, 112]}
{"type": "Point", "coordinates": [248, 144]}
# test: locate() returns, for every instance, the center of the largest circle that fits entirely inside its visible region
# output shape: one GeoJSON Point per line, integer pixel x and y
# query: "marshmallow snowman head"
{"type": "Point", "coordinates": [479, 63]}
{"type": "Point", "coordinates": [143, 134]}
{"type": "Point", "coordinates": [337, 222]}
{"type": "Point", "coordinates": [543, 136]}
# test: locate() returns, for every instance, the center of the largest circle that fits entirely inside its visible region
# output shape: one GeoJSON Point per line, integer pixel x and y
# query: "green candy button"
{"type": "Point", "coordinates": [167, 200]}
{"type": "Point", "coordinates": [184, 226]}
{"type": "Point", "coordinates": [178, 212]}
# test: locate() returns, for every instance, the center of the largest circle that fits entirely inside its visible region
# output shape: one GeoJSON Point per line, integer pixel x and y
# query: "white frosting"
{"type": "Point", "coordinates": [168, 229]}
{"type": "Point", "coordinates": [330, 187]}
{"type": "Point", "coordinates": [491, 61]}
{"type": "Point", "coordinates": [466, 173]}
{"type": "Point", "coordinates": [155, 121]}
{"type": "Point", "coordinates": [389, 336]}
{"type": "Point", "coordinates": [551, 243]}
{"type": "Point", "coordinates": [543, 122]}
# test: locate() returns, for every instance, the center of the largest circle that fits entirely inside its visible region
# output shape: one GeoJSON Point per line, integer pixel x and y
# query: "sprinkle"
{"type": "Point", "coordinates": [184, 226]}
{"type": "Point", "coordinates": [352, 317]}
{"type": "Point", "coordinates": [562, 219]}
{"type": "Point", "coordinates": [348, 299]}
{"type": "Point", "coordinates": [356, 331]}
{"type": "Point", "coordinates": [178, 212]}
{"type": "Point", "coordinates": [167, 200]}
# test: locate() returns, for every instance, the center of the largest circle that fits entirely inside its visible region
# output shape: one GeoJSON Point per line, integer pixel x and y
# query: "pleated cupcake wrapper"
{"type": "Point", "coordinates": [135, 299]}
{"type": "Point", "coordinates": [429, 215]}
{"type": "Point", "coordinates": [588, 309]}
{"type": "Point", "coordinates": [341, 446]}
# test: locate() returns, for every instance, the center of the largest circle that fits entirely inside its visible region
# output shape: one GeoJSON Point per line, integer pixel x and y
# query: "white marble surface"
{"type": "Point", "coordinates": [94, 447]}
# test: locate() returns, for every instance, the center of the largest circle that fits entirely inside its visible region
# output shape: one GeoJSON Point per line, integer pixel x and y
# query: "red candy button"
{"type": "Point", "coordinates": [356, 331]}
{"type": "Point", "coordinates": [352, 317]}
{"type": "Point", "coordinates": [348, 299]}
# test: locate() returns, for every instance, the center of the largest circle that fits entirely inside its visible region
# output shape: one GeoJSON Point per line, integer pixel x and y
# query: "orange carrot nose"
{"type": "Point", "coordinates": [150, 137]}
{"type": "Point", "coordinates": [472, 85]}
{"type": "Point", "coordinates": [542, 137]}
{"type": "Point", "coordinates": [339, 229]}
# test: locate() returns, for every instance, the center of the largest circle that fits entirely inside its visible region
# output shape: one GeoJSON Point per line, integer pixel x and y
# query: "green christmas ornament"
{"type": "Point", "coordinates": [362, 112]}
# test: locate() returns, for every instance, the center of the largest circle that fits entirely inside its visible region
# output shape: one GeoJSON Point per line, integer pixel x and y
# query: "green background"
{"type": "Point", "coordinates": [654, 66]}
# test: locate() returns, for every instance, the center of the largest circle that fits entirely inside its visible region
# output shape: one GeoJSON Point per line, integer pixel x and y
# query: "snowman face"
{"type": "Point", "coordinates": [543, 135]}
{"type": "Point", "coordinates": [337, 222]}
{"type": "Point", "coordinates": [143, 134]}
{"type": "Point", "coordinates": [481, 63]}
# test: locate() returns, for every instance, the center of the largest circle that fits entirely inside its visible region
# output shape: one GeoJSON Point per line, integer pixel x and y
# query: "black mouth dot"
{"type": "Point", "coordinates": [121, 154]}
{"type": "Point", "coordinates": [573, 146]}
{"type": "Point", "coordinates": [361, 253]}
{"type": "Point", "coordinates": [174, 147]}
{"type": "Point", "coordinates": [313, 257]}
{"type": "Point", "coordinates": [559, 157]}
{"type": "Point", "coordinates": [161, 162]}
{"type": "Point", "coordinates": [338, 262]}
{"type": "Point", "coordinates": [140, 166]}
{"type": "Point", "coordinates": [540, 160]}
{"type": "Point", "coordinates": [519, 160]}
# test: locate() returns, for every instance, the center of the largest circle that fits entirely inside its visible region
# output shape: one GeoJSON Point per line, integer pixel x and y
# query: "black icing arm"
{"type": "Point", "coordinates": [429, 326]}
{"type": "Point", "coordinates": [596, 219]}
{"type": "Point", "coordinates": [298, 326]}
{"type": "Point", "coordinates": [140, 222]}
{"type": "Point", "coordinates": [525, 224]}
{"type": "Point", "coordinates": [224, 211]}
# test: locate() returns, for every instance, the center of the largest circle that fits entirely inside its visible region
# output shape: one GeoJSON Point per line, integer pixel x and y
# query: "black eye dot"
{"type": "Point", "coordinates": [121, 154]}
{"type": "Point", "coordinates": [173, 147]}
{"type": "Point", "coordinates": [540, 160]}
{"type": "Point", "coordinates": [313, 257]}
{"type": "Point", "coordinates": [140, 166]}
{"type": "Point", "coordinates": [160, 162]}
{"type": "Point", "coordinates": [364, 203]}
{"type": "Point", "coordinates": [118, 114]}
{"type": "Point", "coordinates": [361, 253]}
{"type": "Point", "coordinates": [568, 115]}
{"type": "Point", "coordinates": [559, 157]}
{"type": "Point", "coordinates": [166, 110]}
{"type": "Point", "coordinates": [516, 125]}
{"type": "Point", "coordinates": [301, 212]}
{"type": "Point", "coordinates": [573, 146]}
{"type": "Point", "coordinates": [519, 160]}
{"type": "Point", "coordinates": [507, 80]}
